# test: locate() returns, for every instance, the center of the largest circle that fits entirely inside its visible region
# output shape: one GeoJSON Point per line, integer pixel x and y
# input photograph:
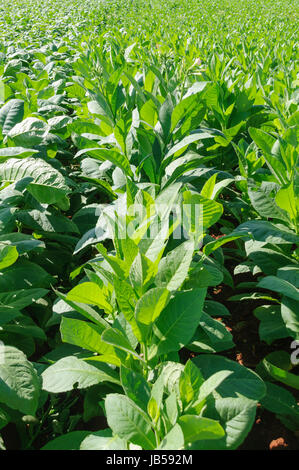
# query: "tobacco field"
{"type": "Point", "coordinates": [149, 197]}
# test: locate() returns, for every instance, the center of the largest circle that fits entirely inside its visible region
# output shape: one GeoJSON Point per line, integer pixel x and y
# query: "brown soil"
{"type": "Point", "coordinates": [268, 433]}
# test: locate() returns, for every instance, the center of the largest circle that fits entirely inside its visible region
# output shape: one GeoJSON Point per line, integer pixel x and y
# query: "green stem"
{"type": "Point", "coordinates": [145, 359]}
{"type": "Point", "coordinates": [157, 437]}
{"type": "Point", "coordinates": [145, 353]}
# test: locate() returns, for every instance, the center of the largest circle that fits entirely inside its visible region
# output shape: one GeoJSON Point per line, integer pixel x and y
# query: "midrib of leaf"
{"type": "Point", "coordinates": [113, 438]}
{"type": "Point", "coordinates": [137, 427]}
{"type": "Point", "coordinates": [24, 168]}
{"type": "Point", "coordinates": [88, 372]}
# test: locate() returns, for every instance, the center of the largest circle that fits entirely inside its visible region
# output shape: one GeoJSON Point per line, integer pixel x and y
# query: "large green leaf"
{"type": "Point", "coordinates": [47, 184]}
{"type": "Point", "coordinates": [149, 308]}
{"type": "Point", "coordinates": [112, 155]}
{"type": "Point", "coordinates": [18, 152]}
{"type": "Point", "coordinates": [10, 114]}
{"type": "Point", "coordinates": [272, 325]}
{"type": "Point", "coordinates": [19, 382]}
{"type": "Point", "coordinates": [4, 419]}
{"type": "Point", "coordinates": [65, 304]}
{"type": "Point", "coordinates": [128, 421]}
{"type": "Point", "coordinates": [46, 220]}
{"type": "Point", "coordinates": [288, 201]}
{"type": "Point", "coordinates": [211, 336]}
{"type": "Point", "coordinates": [196, 428]}
{"type": "Point", "coordinates": [21, 241]}
{"type": "Point", "coordinates": [24, 275]}
{"type": "Point", "coordinates": [213, 382]}
{"type": "Point", "coordinates": [18, 299]}
{"type": "Point", "coordinates": [290, 274]}
{"type": "Point", "coordinates": [264, 231]}
{"type": "Point", "coordinates": [290, 316]}
{"type": "Point", "coordinates": [84, 334]}
{"type": "Point", "coordinates": [265, 205]}
{"type": "Point", "coordinates": [236, 417]}
{"type": "Point", "coordinates": [89, 293]}
{"type": "Point", "coordinates": [280, 401]}
{"type": "Point", "coordinates": [181, 146]}
{"type": "Point", "coordinates": [279, 285]}
{"type": "Point", "coordinates": [173, 268]}
{"type": "Point", "coordinates": [199, 213]}
{"type": "Point", "coordinates": [178, 322]}
{"type": "Point", "coordinates": [29, 132]}
{"type": "Point", "coordinates": [7, 219]}
{"type": "Point", "coordinates": [70, 371]}
{"type": "Point", "coordinates": [242, 381]}
{"type": "Point", "coordinates": [212, 246]}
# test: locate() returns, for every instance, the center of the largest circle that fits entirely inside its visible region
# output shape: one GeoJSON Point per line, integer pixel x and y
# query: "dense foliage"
{"type": "Point", "coordinates": [112, 104]}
